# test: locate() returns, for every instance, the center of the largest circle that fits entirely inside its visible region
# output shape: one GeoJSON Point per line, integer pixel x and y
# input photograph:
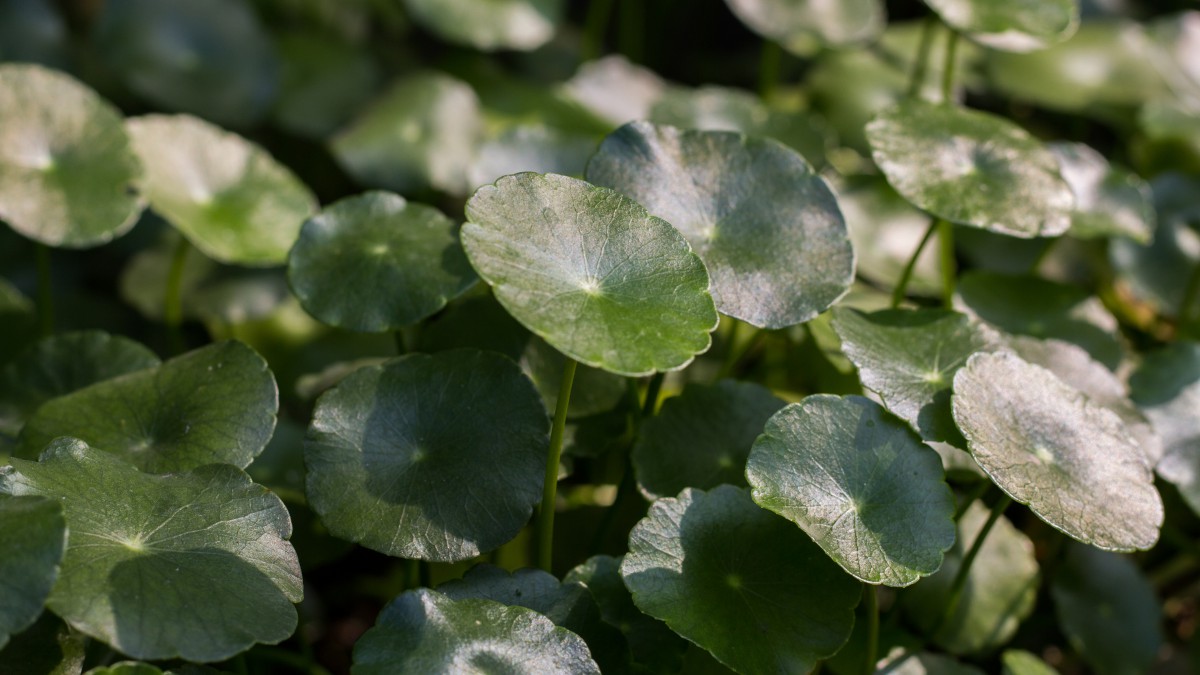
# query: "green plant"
{"type": "Point", "coordinates": [861, 374]}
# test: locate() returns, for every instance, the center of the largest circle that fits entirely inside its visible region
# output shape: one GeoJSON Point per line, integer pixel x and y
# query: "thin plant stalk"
{"type": "Point", "coordinates": [550, 487]}
{"type": "Point", "coordinates": [595, 27]}
{"type": "Point", "coordinates": [45, 292]}
{"type": "Point", "coordinates": [872, 630]}
{"type": "Point", "coordinates": [650, 403]}
{"type": "Point", "coordinates": [173, 298]}
{"type": "Point", "coordinates": [964, 569]}
{"type": "Point", "coordinates": [948, 264]}
{"type": "Point", "coordinates": [921, 63]}
{"type": "Point", "coordinates": [906, 274]}
{"type": "Point", "coordinates": [948, 68]}
{"type": "Point", "coordinates": [769, 67]}
{"type": "Point", "coordinates": [980, 488]}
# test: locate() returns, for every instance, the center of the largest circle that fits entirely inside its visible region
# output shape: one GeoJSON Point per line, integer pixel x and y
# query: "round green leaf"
{"type": "Point", "coordinates": [653, 645]}
{"type": "Point", "coordinates": [61, 364]}
{"type": "Point", "coordinates": [801, 26]}
{"type": "Point", "coordinates": [423, 631]}
{"type": "Point", "coordinates": [1025, 305]}
{"type": "Point", "coordinates": [1167, 386]}
{"type": "Point", "coordinates": [702, 437]}
{"type": "Point", "coordinates": [192, 565]}
{"type": "Point", "coordinates": [376, 263]}
{"type": "Point", "coordinates": [860, 483]}
{"type": "Point", "coordinates": [1072, 365]}
{"type": "Point", "coordinates": [216, 404]}
{"type": "Point", "coordinates": [591, 272]}
{"type": "Point", "coordinates": [909, 358]}
{"type": "Point", "coordinates": [568, 604]}
{"type": "Point", "coordinates": [325, 81]}
{"type": "Point", "coordinates": [433, 457]}
{"type": "Point", "coordinates": [593, 391]}
{"type": "Point", "coordinates": [1021, 662]}
{"type": "Point", "coordinates": [207, 57]}
{"type": "Point", "coordinates": [971, 168]}
{"type": "Point", "coordinates": [615, 90]}
{"type": "Point", "coordinates": [1012, 25]}
{"type": "Point", "coordinates": [730, 576]}
{"type": "Point", "coordinates": [34, 535]}
{"type": "Point", "coordinates": [230, 198]}
{"type": "Point", "coordinates": [1109, 202]}
{"type": "Point", "coordinates": [1108, 610]}
{"type": "Point", "coordinates": [419, 134]}
{"type": "Point", "coordinates": [767, 227]}
{"type": "Point", "coordinates": [66, 167]}
{"type": "Point", "coordinates": [1049, 446]}
{"type": "Point", "coordinates": [489, 24]}
{"type": "Point", "coordinates": [1000, 591]}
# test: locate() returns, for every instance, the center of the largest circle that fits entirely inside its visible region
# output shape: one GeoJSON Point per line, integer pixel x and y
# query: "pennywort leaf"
{"type": "Point", "coordinates": [34, 535]}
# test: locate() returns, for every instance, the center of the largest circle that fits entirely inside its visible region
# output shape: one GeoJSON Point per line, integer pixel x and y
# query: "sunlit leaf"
{"type": "Point", "coordinates": [801, 26]}
{"type": "Point", "coordinates": [489, 24]}
{"type": "Point", "coordinates": [1109, 201]}
{"type": "Point", "coordinates": [1013, 25]}
{"type": "Point", "coordinates": [1167, 387]}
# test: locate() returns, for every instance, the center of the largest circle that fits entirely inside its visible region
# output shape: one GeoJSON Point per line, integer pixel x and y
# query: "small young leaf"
{"type": "Point", "coordinates": [489, 24]}
{"type": "Point", "coordinates": [34, 535]}
{"type": "Point", "coordinates": [1000, 590]}
{"type": "Point", "coordinates": [971, 168]}
{"type": "Point", "coordinates": [860, 483]}
{"type": "Point", "coordinates": [591, 272]}
{"type": "Point", "coordinates": [419, 134]}
{"type": "Point", "coordinates": [230, 198]}
{"type": "Point", "coordinates": [1109, 202]}
{"type": "Point", "coordinates": [702, 437]}
{"type": "Point", "coordinates": [216, 404]}
{"type": "Point", "coordinates": [1012, 25]}
{"type": "Point", "coordinates": [1167, 387]}
{"type": "Point", "coordinates": [729, 576]}
{"type": "Point", "coordinates": [1108, 610]}
{"type": "Point", "coordinates": [1021, 662]}
{"type": "Point", "coordinates": [1049, 446]}
{"type": "Point", "coordinates": [767, 227]}
{"type": "Point", "coordinates": [802, 26]}
{"type": "Point", "coordinates": [376, 262]}
{"type": "Point", "coordinates": [909, 358]}
{"type": "Point", "coordinates": [435, 457]}
{"type": "Point", "coordinates": [423, 631]}
{"type": "Point", "coordinates": [191, 565]}
{"type": "Point", "coordinates": [66, 166]}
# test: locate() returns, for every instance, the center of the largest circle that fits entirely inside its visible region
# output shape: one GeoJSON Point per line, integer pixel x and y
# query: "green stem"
{"type": "Point", "coordinates": [948, 264]}
{"type": "Point", "coordinates": [872, 630]}
{"type": "Point", "coordinates": [768, 69]}
{"type": "Point", "coordinates": [948, 71]}
{"type": "Point", "coordinates": [550, 487]}
{"type": "Point", "coordinates": [173, 297]}
{"type": "Point", "coordinates": [906, 275]}
{"type": "Point", "coordinates": [595, 27]}
{"type": "Point", "coordinates": [981, 487]}
{"type": "Point", "coordinates": [45, 291]}
{"type": "Point", "coordinates": [650, 403]}
{"type": "Point", "coordinates": [964, 569]}
{"type": "Point", "coordinates": [921, 65]}
{"type": "Point", "coordinates": [1190, 294]}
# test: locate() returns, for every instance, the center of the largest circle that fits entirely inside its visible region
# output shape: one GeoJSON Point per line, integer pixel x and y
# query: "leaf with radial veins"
{"type": "Point", "coordinates": [1049, 446]}
{"type": "Point", "coordinates": [438, 457]}
{"type": "Point", "coordinates": [61, 364]}
{"type": "Point", "coordinates": [213, 405]}
{"type": "Point", "coordinates": [230, 198]}
{"type": "Point", "coordinates": [423, 631]}
{"type": "Point", "coordinates": [34, 535]}
{"type": "Point", "coordinates": [702, 437]}
{"type": "Point", "coordinates": [489, 24]}
{"type": "Point", "coordinates": [193, 565]}
{"type": "Point", "coordinates": [729, 576]}
{"type": "Point", "coordinates": [1167, 386]}
{"type": "Point", "coordinates": [999, 593]}
{"type": "Point", "coordinates": [375, 262]}
{"type": "Point", "coordinates": [591, 272]}
{"type": "Point", "coordinates": [1011, 25]}
{"type": "Point", "coordinates": [1109, 202]}
{"type": "Point", "coordinates": [568, 604]}
{"type": "Point", "coordinates": [971, 168]}
{"type": "Point", "coordinates": [765, 224]}
{"type": "Point", "coordinates": [66, 167]}
{"type": "Point", "coordinates": [860, 483]}
{"type": "Point", "coordinates": [802, 26]}
{"type": "Point", "coordinates": [909, 358]}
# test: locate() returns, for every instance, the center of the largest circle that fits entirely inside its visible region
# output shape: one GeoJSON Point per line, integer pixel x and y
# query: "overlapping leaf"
{"type": "Point", "coordinates": [1109, 201]}
{"type": "Point", "coordinates": [591, 272]}
{"type": "Point", "coordinates": [804, 25]}
{"type": "Point", "coordinates": [1167, 387]}
{"type": "Point", "coordinates": [34, 535]}
{"type": "Point", "coordinates": [490, 24]}
{"type": "Point", "coordinates": [1013, 25]}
